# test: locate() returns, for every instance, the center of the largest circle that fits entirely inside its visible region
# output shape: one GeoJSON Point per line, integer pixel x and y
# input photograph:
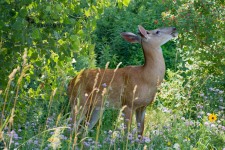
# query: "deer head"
{"type": "Point", "coordinates": [152, 38]}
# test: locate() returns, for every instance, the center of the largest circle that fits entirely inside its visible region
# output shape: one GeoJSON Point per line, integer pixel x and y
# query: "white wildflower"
{"type": "Point", "coordinates": [176, 146]}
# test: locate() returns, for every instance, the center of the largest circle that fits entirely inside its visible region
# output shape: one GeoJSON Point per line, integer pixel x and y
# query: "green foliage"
{"type": "Point", "coordinates": [110, 44]}
{"type": "Point", "coordinates": [203, 29]}
{"type": "Point", "coordinates": [55, 35]}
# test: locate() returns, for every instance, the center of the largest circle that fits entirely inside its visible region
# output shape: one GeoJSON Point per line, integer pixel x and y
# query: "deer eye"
{"type": "Point", "coordinates": [157, 32]}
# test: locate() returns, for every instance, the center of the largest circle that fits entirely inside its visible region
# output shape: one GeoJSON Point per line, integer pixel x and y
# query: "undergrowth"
{"type": "Point", "coordinates": [185, 115]}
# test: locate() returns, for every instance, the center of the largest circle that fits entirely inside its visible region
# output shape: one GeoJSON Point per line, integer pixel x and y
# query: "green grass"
{"type": "Point", "coordinates": [164, 130]}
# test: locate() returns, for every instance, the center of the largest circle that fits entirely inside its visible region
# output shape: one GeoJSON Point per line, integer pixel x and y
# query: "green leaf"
{"type": "Point", "coordinates": [48, 8]}
{"type": "Point", "coordinates": [38, 63]}
{"type": "Point", "coordinates": [58, 7]}
{"type": "Point", "coordinates": [61, 42]}
{"type": "Point", "coordinates": [74, 38]}
{"type": "Point", "coordinates": [126, 2]}
{"type": "Point", "coordinates": [36, 34]}
{"type": "Point", "coordinates": [87, 13]}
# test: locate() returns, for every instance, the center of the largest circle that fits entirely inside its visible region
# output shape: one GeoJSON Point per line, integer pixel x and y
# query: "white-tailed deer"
{"type": "Point", "coordinates": [133, 86]}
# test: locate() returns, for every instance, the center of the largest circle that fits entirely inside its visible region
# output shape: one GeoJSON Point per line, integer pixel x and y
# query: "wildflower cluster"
{"type": "Point", "coordinates": [90, 143]}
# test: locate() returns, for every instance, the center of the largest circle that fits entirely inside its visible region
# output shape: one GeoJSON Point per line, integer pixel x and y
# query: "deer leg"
{"type": "Point", "coordinates": [140, 118]}
{"type": "Point", "coordinates": [127, 118]}
{"type": "Point", "coordinates": [95, 115]}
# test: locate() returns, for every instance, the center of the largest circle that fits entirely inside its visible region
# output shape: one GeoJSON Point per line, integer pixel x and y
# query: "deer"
{"type": "Point", "coordinates": [132, 88]}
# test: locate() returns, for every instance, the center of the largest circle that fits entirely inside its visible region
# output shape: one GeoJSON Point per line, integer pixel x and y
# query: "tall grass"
{"type": "Point", "coordinates": [179, 119]}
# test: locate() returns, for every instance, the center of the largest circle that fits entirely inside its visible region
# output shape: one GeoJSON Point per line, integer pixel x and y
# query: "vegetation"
{"type": "Point", "coordinates": [44, 44]}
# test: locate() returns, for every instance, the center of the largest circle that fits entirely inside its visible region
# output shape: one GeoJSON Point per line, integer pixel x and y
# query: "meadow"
{"type": "Point", "coordinates": [45, 44]}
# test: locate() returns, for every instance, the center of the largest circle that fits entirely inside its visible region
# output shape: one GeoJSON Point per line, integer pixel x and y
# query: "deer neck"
{"type": "Point", "coordinates": [154, 66]}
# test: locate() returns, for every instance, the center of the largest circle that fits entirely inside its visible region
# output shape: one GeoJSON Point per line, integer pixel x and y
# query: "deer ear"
{"type": "Point", "coordinates": [142, 31]}
{"type": "Point", "coordinates": [131, 37]}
